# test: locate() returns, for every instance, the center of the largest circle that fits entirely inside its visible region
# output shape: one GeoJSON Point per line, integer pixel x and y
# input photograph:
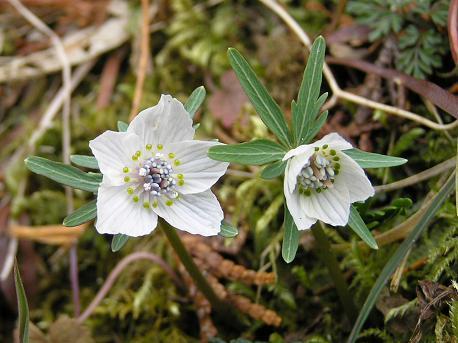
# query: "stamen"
{"type": "Point", "coordinates": [318, 173]}
{"type": "Point", "coordinates": [125, 170]}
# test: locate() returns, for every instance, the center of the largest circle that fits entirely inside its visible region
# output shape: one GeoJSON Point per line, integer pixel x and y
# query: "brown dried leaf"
{"type": "Point", "coordinates": [68, 330]}
{"type": "Point", "coordinates": [226, 102]}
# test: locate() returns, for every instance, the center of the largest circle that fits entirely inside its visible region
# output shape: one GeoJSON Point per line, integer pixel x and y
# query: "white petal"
{"type": "Point", "coordinates": [198, 213]}
{"type": "Point", "coordinates": [359, 186]}
{"type": "Point", "coordinates": [334, 140]}
{"type": "Point", "coordinates": [200, 172]}
{"type": "Point", "coordinates": [331, 206]}
{"type": "Point", "coordinates": [302, 149]}
{"type": "Point", "coordinates": [167, 122]}
{"type": "Point", "coordinates": [294, 167]}
{"type": "Point", "coordinates": [296, 205]}
{"type": "Point", "coordinates": [118, 213]}
{"type": "Point", "coordinates": [113, 151]}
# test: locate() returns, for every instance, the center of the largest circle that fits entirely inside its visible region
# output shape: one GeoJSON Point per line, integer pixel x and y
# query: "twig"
{"type": "Point", "coordinates": [424, 175]}
{"type": "Point", "coordinates": [338, 93]}
{"type": "Point", "coordinates": [143, 64]}
{"type": "Point", "coordinates": [141, 255]}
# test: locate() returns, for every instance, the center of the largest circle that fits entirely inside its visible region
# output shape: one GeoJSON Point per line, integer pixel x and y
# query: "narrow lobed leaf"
{"type": "Point", "coordinates": [195, 100]}
{"type": "Point", "coordinates": [316, 127]}
{"type": "Point", "coordinates": [22, 305]}
{"type": "Point", "coordinates": [371, 160]}
{"type": "Point", "coordinates": [357, 224]}
{"type": "Point", "coordinates": [256, 152]}
{"type": "Point", "coordinates": [265, 105]}
{"type": "Point", "coordinates": [63, 173]}
{"type": "Point", "coordinates": [122, 126]}
{"type": "Point", "coordinates": [85, 161]}
{"type": "Point", "coordinates": [290, 238]}
{"type": "Point", "coordinates": [82, 215]}
{"type": "Point", "coordinates": [305, 112]}
{"type": "Point", "coordinates": [273, 170]}
{"type": "Point", "coordinates": [118, 242]}
{"type": "Point", "coordinates": [227, 230]}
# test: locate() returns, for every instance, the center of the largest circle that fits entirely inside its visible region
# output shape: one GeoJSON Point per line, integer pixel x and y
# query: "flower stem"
{"type": "Point", "coordinates": [329, 259]}
{"type": "Point", "coordinates": [187, 261]}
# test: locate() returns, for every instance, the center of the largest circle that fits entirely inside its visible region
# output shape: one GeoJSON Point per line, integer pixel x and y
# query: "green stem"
{"type": "Point", "coordinates": [187, 261]}
{"type": "Point", "coordinates": [329, 259]}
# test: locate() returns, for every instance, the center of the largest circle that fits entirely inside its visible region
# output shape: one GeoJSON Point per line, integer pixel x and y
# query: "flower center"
{"type": "Point", "coordinates": [157, 177]}
{"type": "Point", "coordinates": [319, 172]}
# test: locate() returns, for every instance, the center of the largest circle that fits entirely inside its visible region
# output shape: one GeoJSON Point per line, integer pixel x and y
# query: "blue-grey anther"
{"type": "Point", "coordinates": [317, 174]}
{"type": "Point", "coordinates": [157, 177]}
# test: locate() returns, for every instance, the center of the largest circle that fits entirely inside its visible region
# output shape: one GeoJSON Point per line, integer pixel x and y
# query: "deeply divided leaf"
{"type": "Point", "coordinates": [307, 109]}
{"type": "Point", "coordinates": [82, 215]}
{"type": "Point", "coordinates": [63, 173]}
{"type": "Point", "coordinates": [122, 126]}
{"type": "Point", "coordinates": [273, 170]}
{"type": "Point", "coordinates": [256, 152]}
{"type": "Point", "coordinates": [227, 230]}
{"type": "Point", "coordinates": [23, 307]}
{"type": "Point", "coordinates": [290, 238]}
{"type": "Point", "coordinates": [118, 242]}
{"type": "Point", "coordinates": [359, 227]}
{"type": "Point", "coordinates": [372, 160]}
{"type": "Point", "coordinates": [195, 100]}
{"type": "Point", "coordinates": [265, 105]}
{"type": "Point", "coordinates": [85, 161]}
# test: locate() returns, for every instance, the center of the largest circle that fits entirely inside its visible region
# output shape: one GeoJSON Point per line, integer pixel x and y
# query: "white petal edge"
{"type": "Point", "coordinates": [302, 149]}
{"type": "Point", "coordinates": [113, 151]}
{"type": "Point", "coordinates": [334, 140]}
{"type": "Point", "coordinates": [167, 122]}
{"type": "Point", "coordinates": [200, 171]}
{"type": "Point", "coordinates": [294, 166]}
{"type": "Point", "coordinates": [359, 186]}
{"type": "Point", "coordinates": [296, 208]}
{"type": "Point", "coordinates": [198, 213]}
{"type": "Point", "coordinates": [118, 213]}
{"type": "Point", "coordinates": [331, 206]}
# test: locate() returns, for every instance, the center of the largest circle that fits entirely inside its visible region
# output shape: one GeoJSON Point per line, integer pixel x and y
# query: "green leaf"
{"type": "Point", "coordinates": [195, 100]}
{"type": "Point", "coordinates": [85, 161]}
{"type": "Point", "coordinates": [122, 126]}
{"type": "Point", "coordinates": [63, 173]}
{"type": "Point", "coordinates": [316, 126]}
{"type": "Point", "coordinates": [399, 255]}
{"type": "Point", "coordinates": [82, 215]}
{"type": "Point", "coordinates": [265, 105]}
{"type": "Point", "coordinates": [372, 160]}
{"type": "Point", "coordinates": [23, 307]}
{"type": "Point", "coordinates": [118, 242]}
{"type": "Point", "coordinates": [256, 152]}
{"type": "Point", "coordinates": [273, 170]}
{"type": "Point", "coordinates": [227, 230]}
{"type": "Point", "coordinates": [359, 227]}
{"type": "Point", "coordinates": [308, 102]}
{"type": "Point", "coordinates": [290, 238]}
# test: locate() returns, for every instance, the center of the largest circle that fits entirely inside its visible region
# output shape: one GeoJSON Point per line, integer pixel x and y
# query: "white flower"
{"type": "Point", "coordinates": [321, 182]}
{"type": "Point", "coordinates": [157, 169]}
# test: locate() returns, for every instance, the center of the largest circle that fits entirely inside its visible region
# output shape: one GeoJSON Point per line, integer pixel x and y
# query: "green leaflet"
{"type": "Point", "coordinates": [63, 173]}
{"type": "Point", "coordinates": [85, 161]}
{"type": "Point", "coordinates": [372, 160]}
{"type": "Point", "coordinates": [256, 152]}
{"type": "Point", "coordinates": [290, 238]}
{"type": "Point", "coordinates": [273, 170]}
{"type": "Point", "coordinates": [23, 307]}
{"type": "Point", "coordinates": [308, 101]}
{"type": "Point", "coordinates": [118, 242]}
{"type": "Point", "coordinates": [82, 215]}
{"type": "Point", "coordinates": [359, 227]}
{"type": "Point", "coordinates": [122, 126]}
{"type": "Point", "coordinates": [195, 100]}
{"type": "Point", "coordinates": [227, 230]}
{"type": "Point", "coordinates": [399, 255]}
{"type": "Point", "coordinates": [265, 105]}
